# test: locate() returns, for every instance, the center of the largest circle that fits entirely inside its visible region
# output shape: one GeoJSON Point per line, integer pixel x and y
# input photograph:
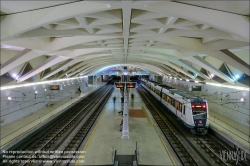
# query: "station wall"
{"type": "Point", "coordinates": [24, 101]}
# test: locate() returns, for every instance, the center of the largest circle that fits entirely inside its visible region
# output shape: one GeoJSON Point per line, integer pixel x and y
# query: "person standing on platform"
{"type": "Point", "coordinates": [122, 104]}
{"type": "Point", "coordinates": [121, 125]}
{"type": "Point", "coordinates": [114, 99]}
{"type": "Point", "coordinates": [122, 91]}
{"type": "Point", "coordinates": [79, 89]}
{"type": "Point", "coordinates": [122, 100]}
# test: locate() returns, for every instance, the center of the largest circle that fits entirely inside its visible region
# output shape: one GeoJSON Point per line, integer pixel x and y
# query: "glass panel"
{"type": "Point", "coordinates": [200, 116]}
{"type": "Point", "coordinates": [180, 107]}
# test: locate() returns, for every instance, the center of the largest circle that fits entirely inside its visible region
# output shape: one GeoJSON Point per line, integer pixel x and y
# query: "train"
{"type": "Point", "coordinates": [191, 110]}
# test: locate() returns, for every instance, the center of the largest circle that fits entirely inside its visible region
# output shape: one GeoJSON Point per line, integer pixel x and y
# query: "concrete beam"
{"type": "Point", "coordinates": [50, 62]}
{"type": "Point", "coordinates": [37, 18]}
{"type": "Point", "coordinates": [235, 61]}
{"type": "Point", "coordinates": [191, 68]}
{"type": "Point", "coordinates": [126, 12]}
{"type": "Point", "coordinates": [228, 22]}
{"type": "Point", "coordinates": [20, 58]}
{"type": "Point", "coordinates": [66, 64]}
{"type": "Point", "coordinates": [201, 62]}
{"type": "Point", "coordinates": [84, 23]}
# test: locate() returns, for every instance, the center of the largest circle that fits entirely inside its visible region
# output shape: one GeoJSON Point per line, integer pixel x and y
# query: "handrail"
{"type": "Point", "coordinates": [230, 126]}
{"type": "Point", "coordinates": [112, 153]}
{"type": "Point", "coordinates": [136, 154]}
{"type": "Point", "coordinates": [115, 161]}
{"type": "Point", "coordinates": [58, 113]}
{"type": "Point", "coordinates": [41, 122]}
{"type": "Point", "coordinates": [23, 102]}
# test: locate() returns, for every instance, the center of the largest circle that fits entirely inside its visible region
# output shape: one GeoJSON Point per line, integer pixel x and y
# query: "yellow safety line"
{"type": "Point", "coordinates": [145, 112]}
{"type": "Point", "coordinates": [158, 135]}
{"type": "Point", "coordinates": [165, 147]}
{"type": "Point", "coordinates": [89, 140]}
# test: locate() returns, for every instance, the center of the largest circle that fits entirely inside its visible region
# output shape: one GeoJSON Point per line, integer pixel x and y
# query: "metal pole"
{"type": "Point", "coordinates": [125, 128]}
{"type": "Point", "coordinates": [112, 154]}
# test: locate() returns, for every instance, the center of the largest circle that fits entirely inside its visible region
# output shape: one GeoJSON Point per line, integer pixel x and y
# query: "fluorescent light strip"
{"type": "Point", "coordinates": [228, 86]}
{"type": "Point", "coordinates": [38, 83]}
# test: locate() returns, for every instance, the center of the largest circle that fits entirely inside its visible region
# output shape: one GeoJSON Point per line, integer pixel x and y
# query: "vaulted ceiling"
{"type": "Point", "coordinates": [197, 40]}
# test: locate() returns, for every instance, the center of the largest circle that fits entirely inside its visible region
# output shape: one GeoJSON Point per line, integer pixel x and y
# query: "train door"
{"type": "Point", "coordinates": [176, 107]}
{"type": "Point", "coordinates": [161, 97]}
{"type": "Point", "coordinates": [183, 116]}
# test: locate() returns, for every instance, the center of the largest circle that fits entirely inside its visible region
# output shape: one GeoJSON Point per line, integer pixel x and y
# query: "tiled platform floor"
{"type": "Point", "coordinates": [107, 134]}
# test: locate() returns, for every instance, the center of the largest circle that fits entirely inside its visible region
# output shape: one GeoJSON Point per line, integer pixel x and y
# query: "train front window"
{"type": "Point", "coordinates": [200, 116]}
{"type": "Point", "coordinates": [199, 108]}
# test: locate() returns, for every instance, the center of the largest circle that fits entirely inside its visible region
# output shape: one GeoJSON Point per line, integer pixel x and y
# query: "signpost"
{"type": "Point", "coordinates": [119, 84]}
{"type": "Point", "coordinates": [125, 84]}
{"type": "Point", "coordinates": [196, 88]}
{"type": "Point", "coordinates": [125, 127]}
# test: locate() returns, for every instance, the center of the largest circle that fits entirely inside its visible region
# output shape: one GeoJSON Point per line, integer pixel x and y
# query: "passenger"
{"type": "Point", "coordinates": [114, 98]}
{"type": "Point", "coordinates": [79, 89]}
{"type": "Point", "coordinates": [121, 112]}
{"type": "Point", "coordinates": [122, 100]}
{"type": "Point", "coordinates": [121, 125]}
{"type": "Point", "coordinates": [122, 91]}
{"type": "Point", "coordinates": [132, 96]}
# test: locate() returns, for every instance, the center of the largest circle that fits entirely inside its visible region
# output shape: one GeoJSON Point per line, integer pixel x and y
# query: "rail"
{"type": "Point", "coordinates": [215, 121]}
{"type": "Point", "coordinates": [136, 161]}
{"type": "Point", "coordinates": [115, 162]}
{"type": "Point", "coordinates": [38, 121]}
{"type": "Point", "coordinates": [43, 119]}
{"type": "Point", "coordinates": [176, 143]}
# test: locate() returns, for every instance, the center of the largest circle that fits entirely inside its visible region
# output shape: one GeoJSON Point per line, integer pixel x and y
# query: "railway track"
{"type": "Point", "coordinates": [190, 149]}
{"type": "Point", "coordinates": [68, 131]}
{"type": "Point", "coordinates": [213, 147]}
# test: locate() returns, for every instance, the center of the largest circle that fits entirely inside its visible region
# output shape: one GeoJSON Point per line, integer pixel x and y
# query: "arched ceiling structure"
{"type": "Point", "coordinates": [197, 40]}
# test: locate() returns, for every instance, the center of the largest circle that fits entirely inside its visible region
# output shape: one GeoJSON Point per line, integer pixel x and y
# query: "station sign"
{"type": "Point", "coordinates": [196, 88]}
{"type": "Point", "coordinates": [125, 84]}
{"type": "Point", "coordinates": [55, 87]}
{"type": "Point", "coordinates": [130, 85]}
{"type": "Point", "coordinates": [119, 84]}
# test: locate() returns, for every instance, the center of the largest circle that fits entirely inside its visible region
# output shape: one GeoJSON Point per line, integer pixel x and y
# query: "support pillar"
{"type": "Point", "coordinates": [125, 128]}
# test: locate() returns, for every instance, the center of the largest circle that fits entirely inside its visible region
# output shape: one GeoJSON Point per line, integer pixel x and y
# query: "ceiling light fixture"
{"type": "Point", "coordinates": [38, 83]}
{"type": "Point", "coordinates": [228, 86]}
{"type": "Point", "coordinates": [14, 75]}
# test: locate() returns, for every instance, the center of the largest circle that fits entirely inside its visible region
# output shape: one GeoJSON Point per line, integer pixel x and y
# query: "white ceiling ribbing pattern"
{"type": "Point", "coordinates": [164, 37]}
